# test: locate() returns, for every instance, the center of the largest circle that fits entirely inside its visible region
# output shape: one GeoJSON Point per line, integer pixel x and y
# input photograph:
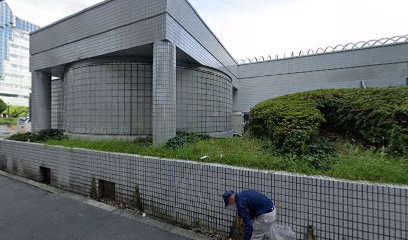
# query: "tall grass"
{"type": "Point", "coordinates": [355, 162]}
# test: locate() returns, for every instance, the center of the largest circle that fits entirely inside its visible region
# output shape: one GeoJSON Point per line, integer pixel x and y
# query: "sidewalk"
{"type": "Point", "coordinates": [29, 212]}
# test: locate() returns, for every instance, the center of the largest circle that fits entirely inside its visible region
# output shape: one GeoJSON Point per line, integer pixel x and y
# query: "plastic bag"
{"type": "Point", "coordinates": [283, 232]}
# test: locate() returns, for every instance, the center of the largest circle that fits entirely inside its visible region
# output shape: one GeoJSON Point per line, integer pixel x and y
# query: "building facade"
{"type": "Point", "coordinates": [15, 76]}
{"type": "Point", "coordinates": [132, 68]}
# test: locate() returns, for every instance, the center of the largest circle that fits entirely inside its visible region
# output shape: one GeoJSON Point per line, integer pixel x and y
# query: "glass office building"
{"type": "Point", "coordinates": [15, 76]}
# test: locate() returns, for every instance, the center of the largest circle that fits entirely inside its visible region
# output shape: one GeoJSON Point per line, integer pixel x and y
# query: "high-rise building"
{"type": "Point", "coordinates": [15, 76]}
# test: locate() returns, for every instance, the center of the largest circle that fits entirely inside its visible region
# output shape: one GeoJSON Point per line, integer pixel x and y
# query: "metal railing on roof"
{"type": "Point", "coordinates": [330, 49]}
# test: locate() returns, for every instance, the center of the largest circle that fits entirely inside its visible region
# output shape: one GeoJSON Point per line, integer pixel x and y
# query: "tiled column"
{"type": "Point", "coordinates": [164, 92]}
{"type": "Point", "coordinates": [57, 103]}
{"type": "Point", "coordinates": [41, 101]}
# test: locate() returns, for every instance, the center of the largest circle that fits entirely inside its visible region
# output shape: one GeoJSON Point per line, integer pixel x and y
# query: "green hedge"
{"type": "Point", "coordinates": [41, 136]}
{"type": "Point", "coordinates": [295, 122]}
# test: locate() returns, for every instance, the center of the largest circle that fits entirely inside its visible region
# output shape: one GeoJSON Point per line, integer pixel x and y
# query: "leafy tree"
{"type": "Point", "coordinates": [16, 111]}
{"type": "Point", "coordinates": [3, 105]}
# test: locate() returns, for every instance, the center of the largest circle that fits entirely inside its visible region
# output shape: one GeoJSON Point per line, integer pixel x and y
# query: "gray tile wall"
{"type": "Point", "coordinates": [139, 22]}
{"type": "Point", "coordinates": [204, 101]}
{"type": "Point", "coordinates": [113, 97]}
{"type": "Point", "coordinates": [120, 25]}
{"type": "Point", "coordinates": [377, 67]}
{"type": "Point", "coordinates": [57, 104]}
{"type": "Point", "coordinates": [108, 98]}
{"type": "Point", "coordinates": [128, 36]}
{"type": "Point", "coordinates": [107, 16]}
{"type": "Point", "coordinates": [186, 42]}
{"type": "Point", "coordinates": [189, 20]}
{"type": "Point", "coordinates": [127, 24]}
{"type": "Point", "coordinates": [41, 101]}
{"type": "Point", "coordinates": [164, 112]}
{"type": "Point", "coordinates": [186, 191]}
{"type": "Point", "coordinates": [383, 55]}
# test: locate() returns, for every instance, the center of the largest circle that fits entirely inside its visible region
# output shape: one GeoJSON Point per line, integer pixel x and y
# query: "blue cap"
{"type": "Point", "coordinates": [226, 196]}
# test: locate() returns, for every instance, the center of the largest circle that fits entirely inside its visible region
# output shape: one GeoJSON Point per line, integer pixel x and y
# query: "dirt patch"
{"type": "Point", "coordinates": [134, 209]}
{"type": "Point", "coordinates": [211, 234]}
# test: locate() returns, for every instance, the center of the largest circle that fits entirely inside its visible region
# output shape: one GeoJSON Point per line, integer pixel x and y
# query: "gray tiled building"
{"type": "Point", "coordinates": [131, 68]}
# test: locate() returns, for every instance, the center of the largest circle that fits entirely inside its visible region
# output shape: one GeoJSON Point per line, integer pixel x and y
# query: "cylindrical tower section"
{"type": "Point", "coordinates": [112, 98]}
{"type": "Point", "coordinates": [108, 98]}
{"type": "Point", "coordinates": [204, 100]}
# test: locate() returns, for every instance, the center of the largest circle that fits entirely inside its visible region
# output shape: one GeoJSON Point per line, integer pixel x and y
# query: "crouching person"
{"type": "Point", "coordinates": [257, 211]}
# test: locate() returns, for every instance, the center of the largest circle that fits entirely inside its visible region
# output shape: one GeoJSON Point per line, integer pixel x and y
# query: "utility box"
{"type": "Point", "coordinates": [238, 123]}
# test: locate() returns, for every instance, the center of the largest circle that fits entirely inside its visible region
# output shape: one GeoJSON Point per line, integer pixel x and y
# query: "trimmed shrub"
{"type": "Point", "coordinates": [185, 138]}
{"type": "Point", "coordinates": [145, 141]}
{"type": "Point", "coordinates": [294, 123]}
{"type": "Point", "coordinates": [41, 136]}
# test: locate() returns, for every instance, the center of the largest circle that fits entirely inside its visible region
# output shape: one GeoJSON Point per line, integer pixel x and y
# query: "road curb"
{"type": "Point", "coordinates": [121, 212]}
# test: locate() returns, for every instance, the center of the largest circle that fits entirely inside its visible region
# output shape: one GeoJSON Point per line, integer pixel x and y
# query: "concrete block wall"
{"type": "Point", "coordinates": [186, 191]}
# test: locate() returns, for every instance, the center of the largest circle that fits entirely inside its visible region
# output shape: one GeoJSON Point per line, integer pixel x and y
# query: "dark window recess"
{"type": "Point", "coordinates": [45, 175]}
{"type": "Point", "coordinates": [106, 190]}
{"type": "Point", "coordinates": [3, 165]}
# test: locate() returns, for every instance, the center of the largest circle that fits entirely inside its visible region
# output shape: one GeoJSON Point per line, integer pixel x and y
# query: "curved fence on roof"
{"type": "Point", "coordinates": [330, 49]}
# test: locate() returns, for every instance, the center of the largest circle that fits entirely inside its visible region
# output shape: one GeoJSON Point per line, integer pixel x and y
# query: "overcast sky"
{"type": "Point", "coordinates": [250, 28]}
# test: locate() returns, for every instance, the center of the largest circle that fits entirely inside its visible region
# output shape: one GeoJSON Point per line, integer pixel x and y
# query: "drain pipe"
{"type": "Point", "coordinates": [362, 83]}
{"type": "Point", "coordinates": [310, 233]}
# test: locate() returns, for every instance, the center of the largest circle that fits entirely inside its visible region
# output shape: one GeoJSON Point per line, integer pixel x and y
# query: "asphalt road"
{"type": "Point", "coordinates": [27, 212]}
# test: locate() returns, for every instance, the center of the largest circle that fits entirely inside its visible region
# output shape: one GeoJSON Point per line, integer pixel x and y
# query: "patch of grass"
{"type": "Point", "coordinates": [355, 162]}
{"type": "Point", "coordinates": [246, 152]}
{"type": "Point", "coordinates": [359, 163]}
{"type": "Point", "coordinates": [8, 121]}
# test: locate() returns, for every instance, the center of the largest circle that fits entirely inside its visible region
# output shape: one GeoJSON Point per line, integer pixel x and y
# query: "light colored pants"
{"type": "Point", "coordinates": [263, 226]}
